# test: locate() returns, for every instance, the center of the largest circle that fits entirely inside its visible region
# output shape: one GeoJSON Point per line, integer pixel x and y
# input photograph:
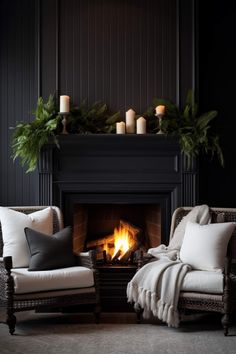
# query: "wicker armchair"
{"type": "Point", "coordinates": [45, 300]}
{"type": "Point", "coordinates": [223, 302]}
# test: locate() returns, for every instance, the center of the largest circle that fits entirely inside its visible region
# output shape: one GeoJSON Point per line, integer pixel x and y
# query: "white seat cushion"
{"type": "Point", "coordinates": [56, 279]}
{"type": "Point", "coordinates": [203, 281]}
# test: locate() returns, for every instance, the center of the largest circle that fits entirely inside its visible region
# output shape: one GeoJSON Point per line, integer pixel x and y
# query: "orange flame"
{"type": "Point", "coordinates": [121, 241]}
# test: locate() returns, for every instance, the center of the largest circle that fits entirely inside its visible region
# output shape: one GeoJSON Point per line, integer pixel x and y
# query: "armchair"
{"type": "Point", "coordinates": [22, 290]}
{"type": "Point", "coordinates": [206, 290]}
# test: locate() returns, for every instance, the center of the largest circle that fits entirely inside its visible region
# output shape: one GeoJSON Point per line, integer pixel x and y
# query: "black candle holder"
{"type": "Point", "coordinates": [160, 116]}
{"type": "Point", "coordinates": [64, 122]}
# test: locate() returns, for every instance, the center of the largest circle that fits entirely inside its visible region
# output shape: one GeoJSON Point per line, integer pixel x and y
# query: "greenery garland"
{"type": "Point", "coordinates": [194, 132]}
{"type": "Point", "coordinates": [29, 137]}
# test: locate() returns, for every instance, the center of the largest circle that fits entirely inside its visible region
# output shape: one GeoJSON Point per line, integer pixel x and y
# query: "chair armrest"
{"type": "Point", "coordinates": [2, 267]}
{"type": "Point", "coordinates": [6, 279]}
{"type": "Point", "coordinates": [87, 259]}
{"type": "Point", "coordinates": [3, 276]}
{"type": "Point", "coordinates": [227, 266]}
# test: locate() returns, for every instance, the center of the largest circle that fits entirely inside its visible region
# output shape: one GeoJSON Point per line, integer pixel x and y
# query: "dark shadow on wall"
{"type": "Point", "coordinates": [216, 91]}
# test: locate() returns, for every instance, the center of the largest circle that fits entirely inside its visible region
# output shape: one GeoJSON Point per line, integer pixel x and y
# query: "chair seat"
{"type": "Point", "coordinates": [64, 278]}
{"type": "Point", "coordinates": [203, 282]}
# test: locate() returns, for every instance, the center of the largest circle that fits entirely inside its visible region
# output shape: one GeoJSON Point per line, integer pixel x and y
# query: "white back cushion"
{"type": "Point", "coordinates": [199, 214]}
{"type": "Point", "coordinates": [14, 240]}
{"type": "Point", "coordinates": [204, 246]}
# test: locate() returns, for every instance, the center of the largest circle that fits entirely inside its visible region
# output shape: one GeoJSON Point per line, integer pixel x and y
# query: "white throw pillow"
{"type": "Point", "coordinates": [204, 246]}
{"type": "Point", "coordinates": [13, 224]}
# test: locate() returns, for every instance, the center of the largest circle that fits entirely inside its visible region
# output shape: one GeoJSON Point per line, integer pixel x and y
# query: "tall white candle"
{"type": "Point", "coordinates": [141, 125]}
{"type": "Point", "coordinates": [160, 110]}
{"type": "Point", "coordinates": [130, 121]}
{"type": "Point", "coordinates": [64, 104]}
{"type": "Point", "coordinates": [120, 128]}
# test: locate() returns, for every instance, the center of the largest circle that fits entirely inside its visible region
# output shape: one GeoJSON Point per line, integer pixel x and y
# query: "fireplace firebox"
{"type": "Point", "coordinates": [116, 231]}
{"type": "Point", "coordinates": [100, 180]}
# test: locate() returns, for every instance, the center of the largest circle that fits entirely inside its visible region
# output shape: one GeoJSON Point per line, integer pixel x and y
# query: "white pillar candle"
{"type": "Point", "coordinates": [64, 104]}
{"type": "Point", "coordinates": [130, 121]}
{"type": "Point", "coordinates": [120, 128]}
{"type": "Point", "coordinates": [160, 110]}
{"type": "Point", "coordinates": [141, 126]}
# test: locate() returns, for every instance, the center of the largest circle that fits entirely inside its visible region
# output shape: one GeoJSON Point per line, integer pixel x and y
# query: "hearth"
{"type": "Point", "coordinates": [109, 179]}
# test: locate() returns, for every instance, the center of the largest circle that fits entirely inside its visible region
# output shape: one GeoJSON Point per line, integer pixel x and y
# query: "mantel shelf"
{"type": "Point", "coordinates": [115, 138]}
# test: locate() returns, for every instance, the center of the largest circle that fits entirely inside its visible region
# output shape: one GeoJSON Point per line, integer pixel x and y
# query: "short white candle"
{"type": "Point", "coordinates": [120, 128]}
{"type": "Point", "coordinates": [64, 104]}
{"type": "Point", "coordinates": [130, 121]}
{"type": "Point", "coordinates": [160, 110]}
{"type": "Point", "coordinates": [141, 125]}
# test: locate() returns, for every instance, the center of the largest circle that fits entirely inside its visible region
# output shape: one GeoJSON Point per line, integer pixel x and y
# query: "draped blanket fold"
{"type": "Point", "coordinates": [156, 287]}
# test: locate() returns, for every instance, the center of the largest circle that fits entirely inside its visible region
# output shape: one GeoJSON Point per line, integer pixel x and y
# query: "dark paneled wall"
{"type": "Point", "coordinates": [217, 91]}
{"type": "Point", "coordinates": [18, 72]}
{"type": "Point", "coordinates": [123, 52]}
{"type": "Point", "coordinates": [118, 51]}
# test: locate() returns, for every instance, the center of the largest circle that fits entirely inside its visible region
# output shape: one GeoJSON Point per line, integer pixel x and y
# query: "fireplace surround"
{"type": "Point", "coordinates": [98, 176]}
{"type": "Point", "coordinates": [109, 170]}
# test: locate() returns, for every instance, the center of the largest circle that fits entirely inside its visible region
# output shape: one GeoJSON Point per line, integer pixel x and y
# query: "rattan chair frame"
{"type": "Point", "coordinates": [45, 301]}
{"type": "Point", "coordinates": [224, 303]}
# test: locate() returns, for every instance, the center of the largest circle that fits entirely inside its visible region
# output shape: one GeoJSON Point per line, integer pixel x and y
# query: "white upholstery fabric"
{"type": "Point", "coordinates": [199, 214]}
{"type": "Point", "coordinates": [204, 246]}
{"type": "Point", "coordinates": [53, 293]}
{"type": "Point", "coordinates": [64, 278]}
{"type": "Point", "coordinates": [14, 240]}
{"type": "Point", "coordinates": [203, 282]}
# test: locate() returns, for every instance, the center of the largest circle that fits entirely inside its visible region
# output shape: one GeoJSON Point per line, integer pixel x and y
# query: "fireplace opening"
{"type": "Point", "coordinates": [116, 231]}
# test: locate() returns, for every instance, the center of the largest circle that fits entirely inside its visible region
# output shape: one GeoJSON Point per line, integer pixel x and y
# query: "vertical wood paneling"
{"type": "Point", "coordinates": [186, 48]}
{"type": "Point", "coordinates": [123, 52]}
{"type": "Point", "coordinates": [18, 95]}
{"type": "Point", "coordinates": [120, 52]}
{"type": "Point", "coordinates": [48, 47]}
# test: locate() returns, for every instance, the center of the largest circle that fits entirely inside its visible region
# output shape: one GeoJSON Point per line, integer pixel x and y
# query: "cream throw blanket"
{"type": "Point", "coordinates": [156, 286]}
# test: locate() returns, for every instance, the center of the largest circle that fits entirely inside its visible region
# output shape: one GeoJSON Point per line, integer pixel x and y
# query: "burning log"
{"type": "Point", "coordinates": [116, 256]}
{"type": "Point", "coordinates": [106, 257]}
{"type": "Point", "coordinates": [118, 247]}
{"type": "Point", "coordinates": [131, 259]}
{"type": "Point", "coordinates": [127, 255]}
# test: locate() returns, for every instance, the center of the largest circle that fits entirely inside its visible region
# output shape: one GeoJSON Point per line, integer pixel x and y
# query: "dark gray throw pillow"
{"type": "Point", "coordinates": [50, 252]}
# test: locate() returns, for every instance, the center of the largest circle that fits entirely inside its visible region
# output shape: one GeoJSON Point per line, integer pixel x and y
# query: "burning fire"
{"type": "Point", "coordinates": [121, 242]}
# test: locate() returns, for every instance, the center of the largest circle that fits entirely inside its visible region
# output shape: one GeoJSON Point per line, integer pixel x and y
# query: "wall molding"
{"type": "Point", "coordinates": [185, 63]}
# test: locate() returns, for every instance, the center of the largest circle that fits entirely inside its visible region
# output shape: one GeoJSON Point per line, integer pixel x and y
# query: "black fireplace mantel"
{"type": "Point", "coordinates": [116, 169]}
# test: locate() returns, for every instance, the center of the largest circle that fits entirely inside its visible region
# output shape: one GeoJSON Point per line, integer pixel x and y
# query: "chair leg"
{"type": "Point", "coordinates": [225, 323]}
{"type": "Point", "coordinates": [97, 312]}
{"type": "Point", "coordinates": [11, 321]}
